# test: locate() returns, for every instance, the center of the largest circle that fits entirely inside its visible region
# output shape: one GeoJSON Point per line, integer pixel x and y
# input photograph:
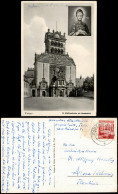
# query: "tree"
{"type": "Point", "coordinates": [79, 91]}
{"type": "Point", "coordinates": [88, 84]}
{"type": "Point", "coordinates": [72, 93]}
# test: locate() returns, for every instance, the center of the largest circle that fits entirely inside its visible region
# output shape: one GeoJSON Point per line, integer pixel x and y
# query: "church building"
{"type": "Point", "coordinates": [54, 70]}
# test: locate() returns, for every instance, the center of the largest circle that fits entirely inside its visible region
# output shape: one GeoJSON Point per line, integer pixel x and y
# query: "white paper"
{"type": "Point", "coordinates": [58, 155]}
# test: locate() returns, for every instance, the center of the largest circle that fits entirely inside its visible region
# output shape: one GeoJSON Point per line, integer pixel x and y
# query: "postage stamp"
{"type": "Point", "coordinates": [106, 129]}
{"type": "Point", "coordinates": [103, 132]}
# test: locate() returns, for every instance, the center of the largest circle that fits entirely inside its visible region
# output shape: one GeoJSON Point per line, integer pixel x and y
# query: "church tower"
{"type": "Point", "coordinates": [55, 42]}
{"type": "Point", "coordinates": [55, 70]}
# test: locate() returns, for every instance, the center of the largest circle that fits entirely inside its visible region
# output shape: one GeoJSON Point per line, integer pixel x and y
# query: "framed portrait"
{"type": "Point", "coordinates": [79, 20]}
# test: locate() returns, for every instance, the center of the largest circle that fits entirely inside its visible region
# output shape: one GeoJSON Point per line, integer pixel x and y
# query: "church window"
{"type": "Point", "coordinates": [55, 50]}
{"type": "Point", "coordinates": [61, 51]}
{"type": "Point", "coordinates": [59, 44]}
{"type": "Point", "coordinates": [52, 50]}
{"type": "Point", "coordinates": [52, 43]}
{"type": "Point", "coordinates": [55, 43]}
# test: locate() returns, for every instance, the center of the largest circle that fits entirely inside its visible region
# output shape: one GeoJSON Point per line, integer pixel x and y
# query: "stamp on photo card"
{"type": "Point", "coordinates": [102, 133]}
{"type": "Point", "coordinates": [106, 129]}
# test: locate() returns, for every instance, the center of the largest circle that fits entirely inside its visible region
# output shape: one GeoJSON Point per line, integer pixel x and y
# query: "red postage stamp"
{"type": "Point", "coordinates": [106, 129]}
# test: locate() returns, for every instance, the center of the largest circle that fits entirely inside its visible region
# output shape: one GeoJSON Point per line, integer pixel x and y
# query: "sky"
{"type": "Point", "coordinates": [37, 18]}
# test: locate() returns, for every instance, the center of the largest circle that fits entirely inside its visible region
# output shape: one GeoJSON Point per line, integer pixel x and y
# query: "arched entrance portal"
{"type": "Point", "coordinates": [61, 93]}
{"type": "Point", "coordinates": [33, 93]}
{"type": "Point", "coordinates": [43, 93]}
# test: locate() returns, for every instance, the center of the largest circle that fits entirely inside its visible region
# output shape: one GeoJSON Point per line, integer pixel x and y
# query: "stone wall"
{"type": "Point", "coordinates": [27, 89]}
{"type": "Point", "coordinates": [39, 72]}
{"type": "Point", "coordinates": [73, 74]}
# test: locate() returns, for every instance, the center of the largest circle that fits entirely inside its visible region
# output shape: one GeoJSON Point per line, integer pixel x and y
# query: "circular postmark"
{"type": "Point", "coordinates": [95, 136]}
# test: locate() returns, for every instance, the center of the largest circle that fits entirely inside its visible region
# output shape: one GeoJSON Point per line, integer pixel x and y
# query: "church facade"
{"type": "Point", "coordinates": [54, 70]}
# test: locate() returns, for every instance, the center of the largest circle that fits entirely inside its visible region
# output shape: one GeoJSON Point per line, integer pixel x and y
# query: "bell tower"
{"type": "Point", "coordinates": [55, 42]}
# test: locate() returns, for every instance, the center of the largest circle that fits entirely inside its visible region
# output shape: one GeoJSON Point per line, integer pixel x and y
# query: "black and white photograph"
{"type": "Point", "coordinates": [58, 53]}
{"type": "Point", "coordinates": [79, 21]}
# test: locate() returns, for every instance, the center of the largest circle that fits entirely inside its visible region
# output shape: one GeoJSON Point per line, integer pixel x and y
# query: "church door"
{"type": "Point", "coordinates": [43, 93]}
{"type": "Point", "coordinates": [61, 93]}
{"type": "Point", "coordinates": [33, 93]}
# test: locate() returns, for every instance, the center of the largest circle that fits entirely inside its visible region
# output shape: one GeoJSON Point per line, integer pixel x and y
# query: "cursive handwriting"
{"type": "Point", "coordinates": [27, 162]}
{"type": "Point", "coordinates": [90, 182]}
{"type": "Point", "coordinates": [97, 172]}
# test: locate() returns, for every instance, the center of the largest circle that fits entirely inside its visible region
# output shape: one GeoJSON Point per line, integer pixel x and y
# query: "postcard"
{"type": "Point", "coordinates": [58, 155]}
{"type": "Point", "coordinates": [58, 58]}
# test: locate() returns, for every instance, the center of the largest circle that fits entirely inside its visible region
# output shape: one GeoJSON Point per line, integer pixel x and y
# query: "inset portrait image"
{"type": "Point", "coordinates": [79, 21]}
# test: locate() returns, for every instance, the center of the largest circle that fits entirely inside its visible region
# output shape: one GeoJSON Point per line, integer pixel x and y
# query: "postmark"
{"type": "Point", "coordinates": [102, 133]}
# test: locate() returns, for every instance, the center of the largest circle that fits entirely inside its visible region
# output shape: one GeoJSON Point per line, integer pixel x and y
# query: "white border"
{"type": "Point", "coordinates": [93, 5]}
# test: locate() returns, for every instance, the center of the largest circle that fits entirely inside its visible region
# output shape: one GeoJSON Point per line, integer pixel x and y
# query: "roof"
{"type": "Point", "coordinates": [54, 35]}
{"type": "Point", "coordinates": [25, 79]}
{"type": "Point", "coordinates": [29, 73]}
{"type": "Point", "coordinates": [55, 59]}
{"type": "Point", "coordinates": [79, 79]}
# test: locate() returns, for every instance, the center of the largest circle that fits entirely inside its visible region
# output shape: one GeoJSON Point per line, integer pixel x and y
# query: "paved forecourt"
{"type": "Point", "coordinates": [58, 103]}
